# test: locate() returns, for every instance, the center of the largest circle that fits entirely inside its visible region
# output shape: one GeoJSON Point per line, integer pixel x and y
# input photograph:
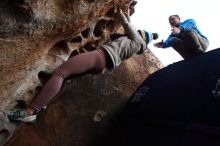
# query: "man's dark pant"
{"type": "Point", "coordinates": [189, 44]}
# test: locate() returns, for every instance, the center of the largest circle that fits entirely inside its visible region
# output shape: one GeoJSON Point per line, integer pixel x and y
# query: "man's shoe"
{"type": "Point", "coordinates": [20, 115]}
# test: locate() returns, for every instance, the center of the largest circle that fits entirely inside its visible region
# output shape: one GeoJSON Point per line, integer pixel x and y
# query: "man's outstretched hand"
{"type": "Point", "coordinates": [159, 44]}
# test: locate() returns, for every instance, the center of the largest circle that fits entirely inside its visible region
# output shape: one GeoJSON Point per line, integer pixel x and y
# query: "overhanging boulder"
{"type": "Point", "coordinates": [37, 36]}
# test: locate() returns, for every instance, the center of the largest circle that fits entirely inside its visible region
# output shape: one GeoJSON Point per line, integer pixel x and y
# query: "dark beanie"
{"type": "Point", "coordinates": [155, 36]}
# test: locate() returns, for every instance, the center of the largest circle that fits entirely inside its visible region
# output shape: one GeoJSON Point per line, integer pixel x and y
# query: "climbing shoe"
{"type": "Point", "coordinates": [20, 115]}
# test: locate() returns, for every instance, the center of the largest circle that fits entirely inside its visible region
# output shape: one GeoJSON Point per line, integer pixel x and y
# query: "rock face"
{"type": "Point", "coordinates": [35, 38]}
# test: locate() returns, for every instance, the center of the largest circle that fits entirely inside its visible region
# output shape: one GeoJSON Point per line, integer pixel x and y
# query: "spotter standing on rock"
{"type": "Point", "coordinates": [185, 38]}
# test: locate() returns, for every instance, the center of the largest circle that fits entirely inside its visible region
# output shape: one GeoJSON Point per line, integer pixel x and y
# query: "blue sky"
{"type": "Point", "coordinates": [153, 16]}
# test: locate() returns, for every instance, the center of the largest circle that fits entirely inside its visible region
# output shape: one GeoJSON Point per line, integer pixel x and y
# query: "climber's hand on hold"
{"type": "Point", "coordinates": [121, 16]}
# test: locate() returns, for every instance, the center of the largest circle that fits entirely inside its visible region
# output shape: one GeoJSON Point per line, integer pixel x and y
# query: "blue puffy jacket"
{"type": "Point", "coordinates": [187, 25]}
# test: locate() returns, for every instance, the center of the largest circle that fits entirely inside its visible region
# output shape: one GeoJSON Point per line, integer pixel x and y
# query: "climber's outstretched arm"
{"type": "Point", "coordinates": [129, 29]}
